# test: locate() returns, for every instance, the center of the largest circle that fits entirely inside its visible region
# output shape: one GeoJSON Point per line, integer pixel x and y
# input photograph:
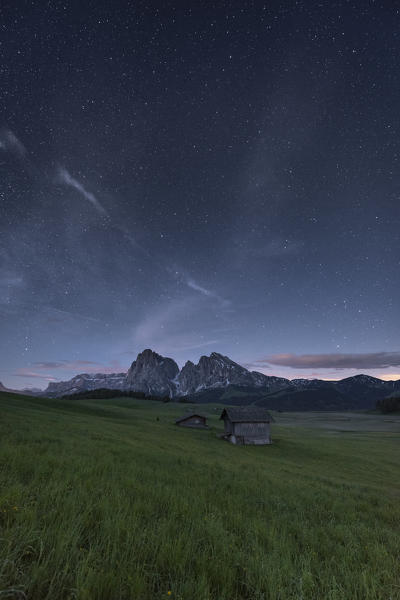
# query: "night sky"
{"type": "Point", "coordinates": [221, 177]}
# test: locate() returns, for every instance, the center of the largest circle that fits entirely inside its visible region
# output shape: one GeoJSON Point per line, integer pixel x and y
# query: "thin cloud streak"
{"type": "Point", "coordinates": [205, 292]}
{"type": "Point", "coordinates": [10, 142]}
{"type": "Point", "coordinates": [58, 315]}
{"type": "Point", "coordinates": [172, 327]}
{"type": "Point", "coordinates": [28, 374]}
{"type": "Point", "coordinates": [65, 177]}
{"type": "Point", "coordinates": [371, 360]}
{"type": "Point", "coordinates": [64, 364]}
{"type": "Point", "coordinates": [67, 369]}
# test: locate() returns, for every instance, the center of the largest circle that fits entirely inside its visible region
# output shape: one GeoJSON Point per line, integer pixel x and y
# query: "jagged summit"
{"type": "Point", "coordinates": [153, 374]}
{"type": "Point", "coordinates": [211, 371]}
{"type": "Point", "coordinates": [219, 371]}
{"type": "Point", "coordinates": [220, 357]}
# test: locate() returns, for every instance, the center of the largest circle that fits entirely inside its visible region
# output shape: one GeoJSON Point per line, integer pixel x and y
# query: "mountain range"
{"type": "Point", "coordinates": [217, 378]}
{"type": "Point", "coordinates": [28, 391]}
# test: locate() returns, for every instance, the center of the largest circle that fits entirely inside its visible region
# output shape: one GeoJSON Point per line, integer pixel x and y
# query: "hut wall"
{"type": "Point", "coordinates": [252, 433]}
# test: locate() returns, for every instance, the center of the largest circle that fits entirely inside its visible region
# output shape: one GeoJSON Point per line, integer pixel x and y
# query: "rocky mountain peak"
{"type": "Point", "coordinates": [211, 371]}
{"type": "Point", "coordinates": [153, 374]}
{"type": "Point", "coordinates": [218, 356]}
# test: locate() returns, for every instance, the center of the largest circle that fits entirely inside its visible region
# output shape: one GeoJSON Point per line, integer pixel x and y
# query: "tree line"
{"type": "Point", "coordinates": [388, 405]}
{"type": "Point", "coordinates": [105, 393]}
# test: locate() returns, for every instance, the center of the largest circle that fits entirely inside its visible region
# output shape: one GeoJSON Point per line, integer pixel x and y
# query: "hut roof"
{"type": "Point", "coordinates": [189, 415]}
{"type": "Point", "coordinates": [245, 414]}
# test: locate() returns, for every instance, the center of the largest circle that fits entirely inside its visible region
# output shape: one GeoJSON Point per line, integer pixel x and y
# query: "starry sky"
{"type": "Point", "coordinates": [199, 176]}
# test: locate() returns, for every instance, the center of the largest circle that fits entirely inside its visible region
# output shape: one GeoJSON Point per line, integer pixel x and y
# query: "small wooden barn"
{"type": "Point", "coordinates": [193, 420]}
{"type": "Point", "coordinates": [246, 425]}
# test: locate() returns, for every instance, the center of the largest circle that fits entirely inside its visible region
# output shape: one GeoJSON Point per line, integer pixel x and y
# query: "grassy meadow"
{"type": "Point", "coordinates": [110, 500]}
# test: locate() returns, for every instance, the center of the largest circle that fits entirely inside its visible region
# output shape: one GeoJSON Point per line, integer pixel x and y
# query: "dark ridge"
{"type": "Point", "coordinates": [105, 393]}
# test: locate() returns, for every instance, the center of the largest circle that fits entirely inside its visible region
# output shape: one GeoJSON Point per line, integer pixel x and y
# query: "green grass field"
{"type": "Point", "coordinates": [110, 500]}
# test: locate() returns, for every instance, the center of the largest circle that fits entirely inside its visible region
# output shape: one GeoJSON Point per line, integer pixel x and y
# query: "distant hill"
{"type": "Point", "coordinates": [324, 397]}
{"type": "Point", "coordinates": [310, 399]}
{"type": "Point", "coordinates": [305, 398]}
{"type": "Point", "coordinates": [6, 395]}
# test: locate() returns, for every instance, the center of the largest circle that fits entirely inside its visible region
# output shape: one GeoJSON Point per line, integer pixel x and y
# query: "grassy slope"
{"type": "Point", "coordinates": [100, 500]}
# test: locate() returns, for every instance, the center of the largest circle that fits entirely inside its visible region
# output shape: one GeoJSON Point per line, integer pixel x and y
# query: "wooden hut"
{"type": "Point", "coordinates": [193, 420]}
{"type": "Point", "coordinates": [246, 425]}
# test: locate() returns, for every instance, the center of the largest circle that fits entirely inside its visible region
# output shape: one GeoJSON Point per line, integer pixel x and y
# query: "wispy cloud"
{"type": "Point", "coordinates": [78, 366]}
{"type": "Point", "coordinates": [192, 284]}
{"type": "Point", "coordinates": [65, 177]}
{"type": "Point", "coordinates": [171, 327]}
{"type": "Point", "coordinates": [56, 315]}
{"type": "Point", "coordinates": [162, 321]}
{"type": "Point", "coordinates": [10, 143]}
{"type": "Point", "coordinates": [65, 364]}
{"type": "Point", "coordinates": [206, 292]}
{"type": "Point", "coordinates": [10, 280]}
{"type": "Point", "coordinates": [28, 374]}
{"type": "Point", "coordinates": [66, 369]}
{"type": "Point", "coordinates": [370, 360]}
